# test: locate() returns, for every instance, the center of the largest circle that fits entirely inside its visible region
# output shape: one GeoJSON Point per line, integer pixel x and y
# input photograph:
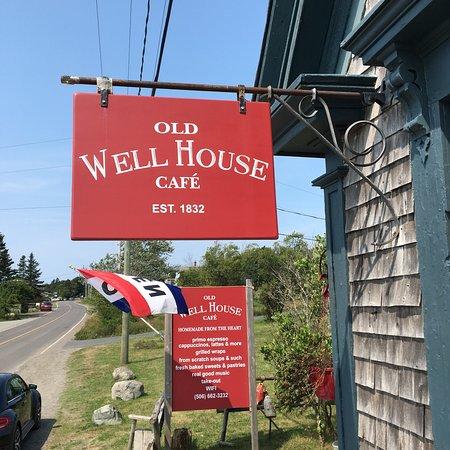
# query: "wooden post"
{"type": "Point", "coordinates": [167, 380]}
{"type": "Point", "coordinates": [131, 437]}
{"type": "Point", "coordinates": [223, 433]}
{"type": "Point", "coordinates": [125, 316]}
{"type": "Point", "coordinates": [251, 366]}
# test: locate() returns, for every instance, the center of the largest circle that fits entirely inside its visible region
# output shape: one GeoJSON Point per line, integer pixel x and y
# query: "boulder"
{"type": "Point", "coordinates": [123, 373]}
{"type": "Point", "coordinates": [107, 415]}
{"type": "Point", "coordinates": [127, 390]}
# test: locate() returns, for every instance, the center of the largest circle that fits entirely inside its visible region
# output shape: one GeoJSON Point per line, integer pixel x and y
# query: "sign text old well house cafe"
{"type": "Point", "coordinates": [166, 168]}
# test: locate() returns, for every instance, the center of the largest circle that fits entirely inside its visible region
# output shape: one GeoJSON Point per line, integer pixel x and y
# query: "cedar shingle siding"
{"type": "Point", "coordinates": [385, 298]}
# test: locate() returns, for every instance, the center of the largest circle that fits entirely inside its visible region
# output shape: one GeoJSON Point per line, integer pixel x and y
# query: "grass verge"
{"type": "Point", "coordinates": [89, 382]}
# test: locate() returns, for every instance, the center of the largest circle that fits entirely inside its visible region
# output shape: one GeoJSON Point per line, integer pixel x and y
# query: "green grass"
{"type": "Point", "coordinates": [89, 387]}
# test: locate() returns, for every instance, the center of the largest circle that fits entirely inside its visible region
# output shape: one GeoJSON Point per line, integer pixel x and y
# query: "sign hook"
{"type": "Point", "coordinates": [104, 87]}
{"type": "Point", "coordinates": [241, 99]}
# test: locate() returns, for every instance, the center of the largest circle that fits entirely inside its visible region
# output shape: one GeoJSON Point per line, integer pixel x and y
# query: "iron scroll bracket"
{"type": "Point", "coordinates": [315, 101]}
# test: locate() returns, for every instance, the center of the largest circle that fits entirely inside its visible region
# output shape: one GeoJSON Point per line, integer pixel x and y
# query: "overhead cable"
{"type": "Point", "coordinates": [99, 41]}
{"type": "Point", "coordinates": [303, 237]}
{"type": "Point", "coordinates": [300, 214]}
{"type": "Point", "coordinates": [33, 207]}
{"type": "Point", "coordinates": [35, 169]}
{"type": "Point", "coordinates": [144, 44]}
{"type": "Point", "coordinates": [162, 43]}
{"type": "Point", "coordinates": [34, 143]}
{"type": "Point", "coordinates": [298, 188]}
{"type": "Point", "coordinates": [129, 42]}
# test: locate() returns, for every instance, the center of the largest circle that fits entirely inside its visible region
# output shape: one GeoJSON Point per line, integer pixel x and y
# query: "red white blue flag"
{"type": "Point", "coordinates": [137, 295]}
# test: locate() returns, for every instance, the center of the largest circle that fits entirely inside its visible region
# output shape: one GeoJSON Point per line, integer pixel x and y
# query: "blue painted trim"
{"type": "Point", "coordinates": [340, 313]}
{"type": "Point", "coordinates": [400, 21]}
{"type": "Point", "coordinates": [431, 180]}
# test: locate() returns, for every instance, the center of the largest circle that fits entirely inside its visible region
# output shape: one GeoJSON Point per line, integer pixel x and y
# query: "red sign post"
{"type": "Point", "coordinates": [210, 350]}
{"type": "Point", "coordinates": [169, 168]}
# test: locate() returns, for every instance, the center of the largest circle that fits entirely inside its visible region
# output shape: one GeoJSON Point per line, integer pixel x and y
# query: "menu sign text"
{"type": "Point", "coordinates": [209, 350]}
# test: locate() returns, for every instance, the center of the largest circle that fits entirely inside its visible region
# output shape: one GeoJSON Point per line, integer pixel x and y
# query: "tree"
{"type": "Point", "coordinates": [18, 292]}
{"type": "Point", "coordinates": [149, 259]}
{"type": "Point", "coordinates": [33, 273]}
{"type": "Point", "coordinates": [6, 262]}
{"type": "Point", "coordinates": [66, 288]}
{"type": "Point", "coordinates": [22, 268]}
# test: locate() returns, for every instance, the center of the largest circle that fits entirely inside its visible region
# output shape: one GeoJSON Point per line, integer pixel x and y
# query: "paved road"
{"type": "Point", "coordinates": [38, 351]}
{"type": "Point", "coordinates": [40, 335]}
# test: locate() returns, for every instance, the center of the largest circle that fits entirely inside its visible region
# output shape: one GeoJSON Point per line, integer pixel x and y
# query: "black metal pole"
{"type": "Point", "coordinates": [68, 79]}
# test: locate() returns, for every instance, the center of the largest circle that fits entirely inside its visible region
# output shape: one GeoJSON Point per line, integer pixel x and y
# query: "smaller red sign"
{"type": "Point", "coordinates": [209, 350]}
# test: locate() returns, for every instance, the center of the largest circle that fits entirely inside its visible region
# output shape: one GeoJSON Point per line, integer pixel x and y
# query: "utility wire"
{"type": "Point", "coordinates": [300, 214]}
{"type": "Point", "coordinates": [303, 237]}
{"type": "Point", "coordinates": [34, 169]}
{"type": "Point", "coordinates": [34, 143]}
{"type": "Point", "coordinates": [32, 207]}
{"type": "Point", "coordinates": [144, 44]}
{"type": "Point", "coordinates": [162, 43]}
{"type": "Point", "coordinates": [62, 206]}
{"type": "Point", "coordinates": [129, 42]}
{"type": "Point", "coordinates": [99, 41]}
{"type": "Point", "coordinates": [298, 188]}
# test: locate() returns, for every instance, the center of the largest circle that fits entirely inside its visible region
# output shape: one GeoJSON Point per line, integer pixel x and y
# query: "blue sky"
{"type": "Point", "coordinates": [208, 42]}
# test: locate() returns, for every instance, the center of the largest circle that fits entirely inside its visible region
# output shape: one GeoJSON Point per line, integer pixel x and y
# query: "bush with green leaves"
{"type": "Point", "coordinates": [228, 265]}
{"type": "Point", "coordinates": [302, 335]}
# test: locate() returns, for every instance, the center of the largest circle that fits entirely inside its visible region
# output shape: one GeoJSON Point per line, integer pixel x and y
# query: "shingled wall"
{"type": "Point", "coordinates": [385, 297]}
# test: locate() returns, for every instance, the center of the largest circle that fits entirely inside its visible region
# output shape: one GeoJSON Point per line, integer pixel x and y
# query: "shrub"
{"type": "Point", "coordinates": [302, 336]}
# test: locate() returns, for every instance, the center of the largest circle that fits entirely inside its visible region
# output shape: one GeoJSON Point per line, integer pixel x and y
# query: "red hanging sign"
{"type": "Point", "coordinates": [209, 350]}
{"type": "Point", "coordinates": [167, 168]}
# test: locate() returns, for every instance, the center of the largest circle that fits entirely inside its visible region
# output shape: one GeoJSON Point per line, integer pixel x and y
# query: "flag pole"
{"type": "Point", "coordinates": [153, 328]}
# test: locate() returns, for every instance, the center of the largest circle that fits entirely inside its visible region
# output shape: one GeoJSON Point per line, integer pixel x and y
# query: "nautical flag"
{"type": "Point", "coordinates": [137, 295]}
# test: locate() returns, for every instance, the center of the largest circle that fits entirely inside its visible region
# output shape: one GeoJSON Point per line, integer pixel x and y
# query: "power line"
{"type": "Point", "coordinates": [20, 208]}
{"type": "Point", "coordinates": [298, 188]}
{"type": "Point", "coordinates": [300, 214]}
{"type": "Point", "coordinates": [34, 143]}
{"type": "Point", "coordinates": [129, 42]}
{"type": "Point", "coordinates": [99, 41]}
{"type": "Point", "coordinates": [144, 44]}
{"type": "Point", "coordinates": [62, 206]}
{"type": "Point", "coordinates": [303, 237]}
{"type": "Point", "coordinates": [35, 169]}
{"type": "Point", "coordinates": [162, 43]}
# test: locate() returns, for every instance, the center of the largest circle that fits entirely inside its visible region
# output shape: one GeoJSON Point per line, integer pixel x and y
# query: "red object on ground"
{"type": "Point", "coordinates": [260, 392]}
{"type": "Point", "coordinates": [209, 350]}
{"type": "Point", "coordinates": [323, 382]}
{"type": "Point", "coordinates": [172, 168]}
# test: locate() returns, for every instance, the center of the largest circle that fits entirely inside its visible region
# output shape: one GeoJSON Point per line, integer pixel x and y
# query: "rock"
{"type": "Point", "coordinates": [127, 390]}
{"type": "Point", "coordinates": [107, 415]}
{"type": "Point", "coordinates": [123, 373]}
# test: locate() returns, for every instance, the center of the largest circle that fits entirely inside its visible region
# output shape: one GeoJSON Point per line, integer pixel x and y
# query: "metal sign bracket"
{"type": "Point", "coordinates": [104, 87]}
{"type": "Point", "coordinates": [241, 99]}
